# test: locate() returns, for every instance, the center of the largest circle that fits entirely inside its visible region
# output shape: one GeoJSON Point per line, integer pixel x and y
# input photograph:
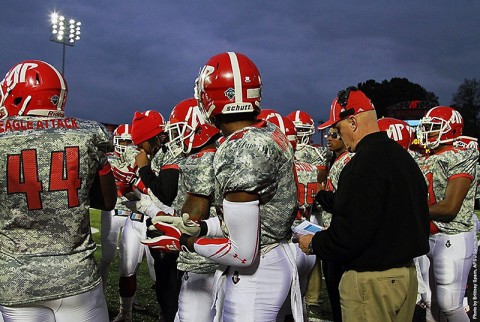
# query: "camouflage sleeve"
{"type": "Point", "coordinates": [198, 174]}
{"type": "Point", "coordinates": [463, 163]}
{"type": "Point", "coordinates": [101, 145]}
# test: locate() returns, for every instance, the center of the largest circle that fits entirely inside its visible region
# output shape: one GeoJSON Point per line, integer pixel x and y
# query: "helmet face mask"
{"type": "Point", "coordinates": [188, 128]}
{"type": "Point", "coordinates": [35, 88]}
{"type": "Point", "coordinates": [304, 126]}
{"type": "Point", "coordinates": [122, 137]}
{"type": "Point", "coordinates": [441, 125]}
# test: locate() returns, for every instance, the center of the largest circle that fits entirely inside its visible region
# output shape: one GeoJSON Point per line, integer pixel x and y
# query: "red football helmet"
{"type": "Point", "coordinates": [122, 136]}
{"type": "Point", "coordinates": [229, 83]}
{"type": "Point", "coordinates": [188, 127]}
{"type": "Point", "coordinates": [33, 87]}
{"type": "Point", "coordinates": [441, 124]}
{"type": "Point", "coordinates": [266, 113]}
{"type": "Point", "coordinates": [397, 130]}
{"type": "Point", "coordinates": [304, 125]}
{"type": "Point", "coordinates": [467, 142]}
{"type": "Point", "coordinates": [286, 126]}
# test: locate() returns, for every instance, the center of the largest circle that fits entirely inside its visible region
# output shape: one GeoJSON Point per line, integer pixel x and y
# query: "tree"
{"type": "Point", "coordinates": [394, 91]}
{"type": "Point", "coordinates": [467, 101]}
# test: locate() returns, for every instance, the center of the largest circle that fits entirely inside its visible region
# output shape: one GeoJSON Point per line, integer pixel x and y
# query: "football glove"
{"type": "Point", "coordinates": [169, 241]}
{"type": "Point", "coordinates": [144, 204]}
{"type": "Point", "coordinates": [184, 224]}
{"type": "Point", "coordinates": [165, 243]}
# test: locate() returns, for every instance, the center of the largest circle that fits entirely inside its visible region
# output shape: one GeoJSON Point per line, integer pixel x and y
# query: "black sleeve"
{"type": "Point", "coordinates": [164, 186]}
{"type": "Point", "coordinates": [326, 199]}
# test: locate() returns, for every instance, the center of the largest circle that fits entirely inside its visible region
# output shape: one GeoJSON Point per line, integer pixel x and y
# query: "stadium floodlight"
{"type": "Point", "coordinates": [65, 32]}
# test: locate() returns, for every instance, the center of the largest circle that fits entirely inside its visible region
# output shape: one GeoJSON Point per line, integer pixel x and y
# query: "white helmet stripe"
{"type": "Point", "coordinates": [297, 116]}
{"type": "Point", "coordinates": [237, 77]}
{"type": "Point", "coordinates": [62, 84]}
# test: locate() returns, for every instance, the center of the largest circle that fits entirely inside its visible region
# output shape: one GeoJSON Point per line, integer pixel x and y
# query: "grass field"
{"type": "Point", "coordinates": [145, 293]}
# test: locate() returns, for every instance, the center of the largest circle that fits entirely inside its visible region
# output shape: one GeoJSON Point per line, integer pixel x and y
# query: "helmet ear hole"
{"type": "Point", "coordinates": [17, 101]}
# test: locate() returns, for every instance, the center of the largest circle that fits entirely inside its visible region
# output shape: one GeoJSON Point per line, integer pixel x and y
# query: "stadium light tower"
{"type": "Point", "coordinates": [64, 32]}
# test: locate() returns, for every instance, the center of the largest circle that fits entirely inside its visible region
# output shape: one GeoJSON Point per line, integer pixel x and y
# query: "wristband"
{"type": "Point", "coordinates": [310, 247]}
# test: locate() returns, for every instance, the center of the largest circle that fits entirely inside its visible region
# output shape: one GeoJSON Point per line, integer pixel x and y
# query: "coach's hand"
{"type": "Point", "coordinates": [183, 223]}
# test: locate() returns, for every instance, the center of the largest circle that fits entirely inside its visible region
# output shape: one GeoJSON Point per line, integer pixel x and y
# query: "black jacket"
{"type": "Point", "coordinates": [380, 212]}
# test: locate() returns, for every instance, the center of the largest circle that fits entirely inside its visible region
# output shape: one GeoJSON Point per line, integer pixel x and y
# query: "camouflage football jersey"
{"type": "Point", "coordinates": [196, 177]}
{"type": "Point", "coordinates": [307, 188]}
{"type": "Point", "coordinates": [47, 167]}
{"type": "Point", "coordinates": [259, 159]}
{"type": "Point", "coordinates": [315, 155]}
{"type": "Point", "coordinates": [332, 180]}
{"type": "Point", "coordinates": [438, 169]}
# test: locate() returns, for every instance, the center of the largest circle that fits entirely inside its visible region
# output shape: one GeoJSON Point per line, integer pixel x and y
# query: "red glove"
{"type": "Point", "coordinates": [169, 242]}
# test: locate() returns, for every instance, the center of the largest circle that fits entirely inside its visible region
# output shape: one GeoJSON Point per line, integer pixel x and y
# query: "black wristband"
{"type": "Point", "coordinates": [184, 239]}
{"type": "Point", "coordinates": [310, 247]}
{"type": "Point", "coordinates": [203, 229]}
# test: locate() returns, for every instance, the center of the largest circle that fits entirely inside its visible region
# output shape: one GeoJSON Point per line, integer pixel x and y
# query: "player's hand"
{"type": "Point", "coordinates": [144, 204]}
{"type": "Point", "coordinates": [141, 159]}
{"type": "Point", "coordinates": [183, 224]}
{"type": "Point", "coordinates": [165, 243]}
{"type": "Point", "coordinates": [169, 241]}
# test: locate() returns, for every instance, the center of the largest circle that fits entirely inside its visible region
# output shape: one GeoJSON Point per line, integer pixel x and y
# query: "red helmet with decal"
{"type": "Point", "coordinates": [122, 137]}
{"type": "Point", "coordinates": [397, 130]}
{"type": "Point", "coordinates": [188, 127]}
{"type": "Point", "coordinates": [33, 87]}
{"type": "Point", "coordinates": [441, 125]}
{"type": "Point", "coordinates": [229, 83]}
{"type": "Point", "coordinates": [286, 126]}
{"type": "Point", "coordinates": [266, 112]}
{"type": "Point", "coordinates": [467, 142]}
{"type": "Point", "coordinates": [304, 125]}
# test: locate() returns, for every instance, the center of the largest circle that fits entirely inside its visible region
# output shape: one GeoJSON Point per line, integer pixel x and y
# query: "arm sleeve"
{"type": "Point", "coordinates": [242, 245]}
{"type": "Point", "coordinates": [164, 186]}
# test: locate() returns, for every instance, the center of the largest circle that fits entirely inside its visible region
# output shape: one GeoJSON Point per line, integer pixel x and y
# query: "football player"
{"type": "Point", "coordinates": [53, 169]}
{"type": "Point", "coordinates": [317, 156]}
{"type": "Point", "coordinates": [451, 176]}
{"type": "Point", "coordinates": [159, 171]}
{"type": "Point", "coordinates": [254, 183]}
{"type": "Point", "coordinates": [305, 151]}
{"type": "Point", "coordinates": [121, 220]}
{"type": "Point", "coordinates": [307, 188]}
{"type": "Point", "coordinates": [192, 135]}
{"type": "Point", "coordinates": [399, 131]}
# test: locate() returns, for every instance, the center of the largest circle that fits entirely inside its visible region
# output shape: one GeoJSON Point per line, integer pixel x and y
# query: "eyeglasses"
{"type": "Point", "coordinates": [333, 135]}
{"type": "Point", "coordinates": [342, 99]}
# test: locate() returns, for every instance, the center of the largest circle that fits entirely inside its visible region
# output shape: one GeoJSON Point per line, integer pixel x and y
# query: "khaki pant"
{"type": "Point", "coordinates": [381, 296]}
{"type": "Point", "coordinates": [314, 284]}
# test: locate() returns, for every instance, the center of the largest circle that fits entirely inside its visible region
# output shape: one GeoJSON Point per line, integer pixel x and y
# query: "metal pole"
{"type": "Point", "coordinates": [63, 60]}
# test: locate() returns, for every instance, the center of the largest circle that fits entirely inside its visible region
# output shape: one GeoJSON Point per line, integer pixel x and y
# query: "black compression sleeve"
{"type": "Point", "coordinates": [164, 186]}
